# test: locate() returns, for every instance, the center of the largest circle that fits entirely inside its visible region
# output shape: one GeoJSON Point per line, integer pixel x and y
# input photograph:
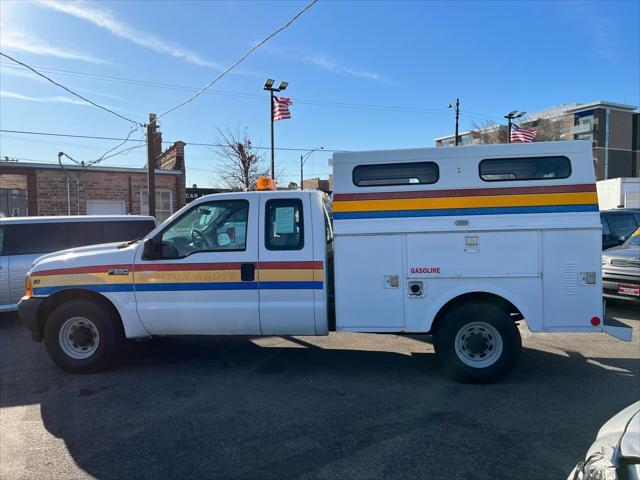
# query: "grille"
{"type": "Point", "coordinates": [623, 262]}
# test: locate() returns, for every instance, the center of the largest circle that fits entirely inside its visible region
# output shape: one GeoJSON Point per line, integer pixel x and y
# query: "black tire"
{"type": "Point", "coordinates": [97, 319]}
{"type": "Point", "coordinates": [495, 357]}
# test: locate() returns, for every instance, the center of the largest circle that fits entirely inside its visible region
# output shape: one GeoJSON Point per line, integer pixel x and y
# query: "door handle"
{"type": "Point", "coordinates": [248, 272]}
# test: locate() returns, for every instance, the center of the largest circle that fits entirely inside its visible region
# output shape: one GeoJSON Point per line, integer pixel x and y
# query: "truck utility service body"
{"type": "Point", "coordinates": [458, 242]}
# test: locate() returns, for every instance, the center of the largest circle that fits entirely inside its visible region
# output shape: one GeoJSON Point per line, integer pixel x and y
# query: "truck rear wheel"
{"type": "Point", "coordinates": [477, 343]}
{"type": "Point", "coordinates": [80, 337]}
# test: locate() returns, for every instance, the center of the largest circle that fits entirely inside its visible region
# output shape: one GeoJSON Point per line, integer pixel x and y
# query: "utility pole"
{"type": "Point", "coordinates": [457, 107]}
{"type": "Point", "coordinates": [151, 163]}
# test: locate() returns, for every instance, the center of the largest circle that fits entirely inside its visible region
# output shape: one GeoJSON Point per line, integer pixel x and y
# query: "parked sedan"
{"type": "Point", "coordinates": [615, 455]}
{"type": "Point", "coordinates": [621, 270]}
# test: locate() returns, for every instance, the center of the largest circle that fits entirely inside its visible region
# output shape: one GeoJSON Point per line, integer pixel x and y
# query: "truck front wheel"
{"type": "Point", "coordinates": [80, 337]}
{"type": "Point", "coordinates": [477, 343]}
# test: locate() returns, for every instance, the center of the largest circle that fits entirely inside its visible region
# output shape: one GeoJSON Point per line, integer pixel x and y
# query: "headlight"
{"type": "Point", "coordinates": [596, 467]}
{"type": "Point", "coordinates": [605, 261]}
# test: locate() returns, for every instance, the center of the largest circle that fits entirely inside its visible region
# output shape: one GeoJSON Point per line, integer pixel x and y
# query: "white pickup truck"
{"type": "Point", "coordinates": [460, 243]}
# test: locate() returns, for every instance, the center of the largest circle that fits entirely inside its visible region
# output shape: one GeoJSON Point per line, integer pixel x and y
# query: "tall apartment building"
{"type": "Point", "coordinates": [613, 128]}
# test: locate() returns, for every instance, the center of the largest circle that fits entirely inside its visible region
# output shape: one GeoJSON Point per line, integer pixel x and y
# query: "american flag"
{"type": "Point", "coordinates": [522, 134]}
{"type": "Point", "coordinates": [281, 108]}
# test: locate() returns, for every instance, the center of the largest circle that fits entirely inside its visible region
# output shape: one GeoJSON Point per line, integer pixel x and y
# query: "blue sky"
{"type": "Point", "coordinates": [345, 61]}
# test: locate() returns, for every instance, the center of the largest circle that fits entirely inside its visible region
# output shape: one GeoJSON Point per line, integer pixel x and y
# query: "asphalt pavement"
{"type": "Point", "coordinates": [343, 406]}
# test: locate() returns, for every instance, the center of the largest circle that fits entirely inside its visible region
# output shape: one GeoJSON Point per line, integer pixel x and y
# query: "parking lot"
{"type": "Point", "coordinates": [346, 405]}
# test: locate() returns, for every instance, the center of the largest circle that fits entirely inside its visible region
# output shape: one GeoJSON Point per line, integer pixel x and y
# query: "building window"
{"type": "Point", "coordinates": [585, 136]}
{"type": "Point", "coordinates": [13, 202]}
{"type": "Point", "coordinates": [384, 174]}
{"type": "Point", "coordinates": [164, 203]}
{"type": "Point", "coordinates": [524, 168]}
{"type": "Point", "coordinates": [284, 225]}
{"type": "Point", "coordinates": [467, 140]}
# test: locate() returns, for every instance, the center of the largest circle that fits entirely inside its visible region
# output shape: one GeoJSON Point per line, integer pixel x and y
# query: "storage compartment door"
{"type": "Point", "coordinates": [571, 296]}
{"type": "Point", "coordinates": [365, 269]}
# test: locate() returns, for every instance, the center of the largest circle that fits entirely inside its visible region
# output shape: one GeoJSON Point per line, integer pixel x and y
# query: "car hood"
{"type": "Point", "coordinates": [94, 255]}
{"type": "Point", "coordinates": [620, 436]}
{"type": "Point", "coordinates": [623, 251]}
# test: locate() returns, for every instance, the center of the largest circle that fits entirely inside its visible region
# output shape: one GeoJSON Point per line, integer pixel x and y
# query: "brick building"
{"type": "Point", "coordinates": [41, 188]}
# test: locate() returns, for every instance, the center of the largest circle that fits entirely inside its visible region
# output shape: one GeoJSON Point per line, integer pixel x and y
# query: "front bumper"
{"type": "Point", "coordinates": [611, 282]}
{"type": "Point", "coordinates": [28, 311]}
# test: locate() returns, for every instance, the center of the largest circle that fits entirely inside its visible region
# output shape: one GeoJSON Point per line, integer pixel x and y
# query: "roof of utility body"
{"type": "Point", "coordinates": [464, 151]}
{"type": "Point", "coordinates": [75, 218]}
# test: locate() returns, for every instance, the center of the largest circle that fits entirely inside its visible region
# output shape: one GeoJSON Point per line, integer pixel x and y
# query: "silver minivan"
{"type": "Point", "coordinates": [23, 239]}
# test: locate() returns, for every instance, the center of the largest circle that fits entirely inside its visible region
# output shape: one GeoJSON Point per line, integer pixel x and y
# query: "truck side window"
{"type": "Point", "coordinates": [284, 225]}
{"type": "Point", "coordinates": [208, 227]}
{"type": "Point", "coordinates": [378, 175]}
{"type": "Point", "coordinates": [524, 168]}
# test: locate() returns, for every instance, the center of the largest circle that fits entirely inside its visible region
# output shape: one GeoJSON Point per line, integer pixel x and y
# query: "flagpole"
{"type": "Point", "coordinates": [273, 156]}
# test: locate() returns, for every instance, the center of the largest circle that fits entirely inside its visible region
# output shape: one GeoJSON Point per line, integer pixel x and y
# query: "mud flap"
{"type": "Point", "coordinates": [617, 329]}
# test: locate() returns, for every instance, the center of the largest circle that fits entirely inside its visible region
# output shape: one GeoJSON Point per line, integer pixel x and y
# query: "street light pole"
{"type": "Point", "coordinates": [273, 153]}
{"type": "Point", "coordinates": [268, 85]}
{"type": "Point", "coordinates": [510, 117]}
{"type": "Point", "coordinates": [303, 158]}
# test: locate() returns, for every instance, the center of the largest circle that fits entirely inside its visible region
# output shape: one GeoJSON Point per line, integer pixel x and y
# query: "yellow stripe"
{"type": "Point", "coordinates": [79, 279]}
{"type": "Point", "coordinates": [213, 276]}
{"type": "Point", "coordinates": [197, 276]}
{"type": "Point", "coordinates": [467, 202]}
{"type": "Point", "coordinates": [290, 275]}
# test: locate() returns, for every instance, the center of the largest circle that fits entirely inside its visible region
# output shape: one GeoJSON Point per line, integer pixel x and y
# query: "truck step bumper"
{"type": "Point", "coordinates": [617, 329]}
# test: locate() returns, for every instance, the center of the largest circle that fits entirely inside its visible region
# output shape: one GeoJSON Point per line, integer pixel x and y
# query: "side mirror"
{"type": "Point", "coordinates": [149, 250]}
{"type": "Point", "coordinates": [224, 240]}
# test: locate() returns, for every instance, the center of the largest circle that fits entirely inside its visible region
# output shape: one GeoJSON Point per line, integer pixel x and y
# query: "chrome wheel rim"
{"type": "Point", "coordinates": [478, 345]}
{"type": "Point", "coordinates": [79, 338]}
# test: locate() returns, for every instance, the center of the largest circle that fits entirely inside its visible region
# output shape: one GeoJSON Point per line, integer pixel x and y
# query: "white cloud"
{"type": "Point", "coordinates": [16, 40]}
{"type": "Point", "coordinates": [54, 99]}
{"type": "Point", "coordinates": [325, 62]}
{"type": "Point", "coordinates": [107, 21]}
{"type": "Point", "coordinates": [330, 65]}
{"type": "Point", "coordinates": [58, 99]}
{"type": "Point", "coordinates": [15, 72]}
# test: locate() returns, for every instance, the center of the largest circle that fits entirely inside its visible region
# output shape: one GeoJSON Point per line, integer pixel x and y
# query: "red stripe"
{"type": "Point", "coordinates": [468, 192]}
{"type": "Point", "coordinates": [91, 269]}
{"type": "Point", "coordinates": [288, 265]}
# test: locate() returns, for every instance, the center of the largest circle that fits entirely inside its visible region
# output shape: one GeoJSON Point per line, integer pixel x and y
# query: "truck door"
{"type": "Point", "coordinates": [205, 281]}
{"type": "Point", "coordinates": [287, 272]}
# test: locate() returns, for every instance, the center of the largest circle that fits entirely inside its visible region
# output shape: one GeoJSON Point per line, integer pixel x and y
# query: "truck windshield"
{"type": "Point", "coordinates": [634, 239]}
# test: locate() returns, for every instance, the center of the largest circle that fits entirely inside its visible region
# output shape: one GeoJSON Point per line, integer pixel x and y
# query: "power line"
{"type": "Point", "coordinates": [250, 96]}
{"type": "Point", "coordinates": [240, 60]}
{"type": "Point", "coordinates": [199, 144]}
{"type": "Point", "coordinates": [68, 89]}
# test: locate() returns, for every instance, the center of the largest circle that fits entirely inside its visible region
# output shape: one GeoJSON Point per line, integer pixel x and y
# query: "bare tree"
{"type": "Point", "coordinates": [549, 129]}
{"type": "Point", "coordinates": [489, 132]}
{"type": "Point", "coordinates": [240, 164]}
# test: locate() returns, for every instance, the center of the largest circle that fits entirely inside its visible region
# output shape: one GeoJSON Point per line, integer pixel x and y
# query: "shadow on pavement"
{"type": "Point", "coordinates": [205, 407]}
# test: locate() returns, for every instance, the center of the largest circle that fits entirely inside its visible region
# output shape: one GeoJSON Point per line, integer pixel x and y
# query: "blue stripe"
{"type": "Point", "coordinates": [175, 287]}
{"type": "Point", "coordinates": [110, 287]}
{"type": "Point", "coordinates": [291, 285]}
{"type": "Point", "coordinates": [465, 211]}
